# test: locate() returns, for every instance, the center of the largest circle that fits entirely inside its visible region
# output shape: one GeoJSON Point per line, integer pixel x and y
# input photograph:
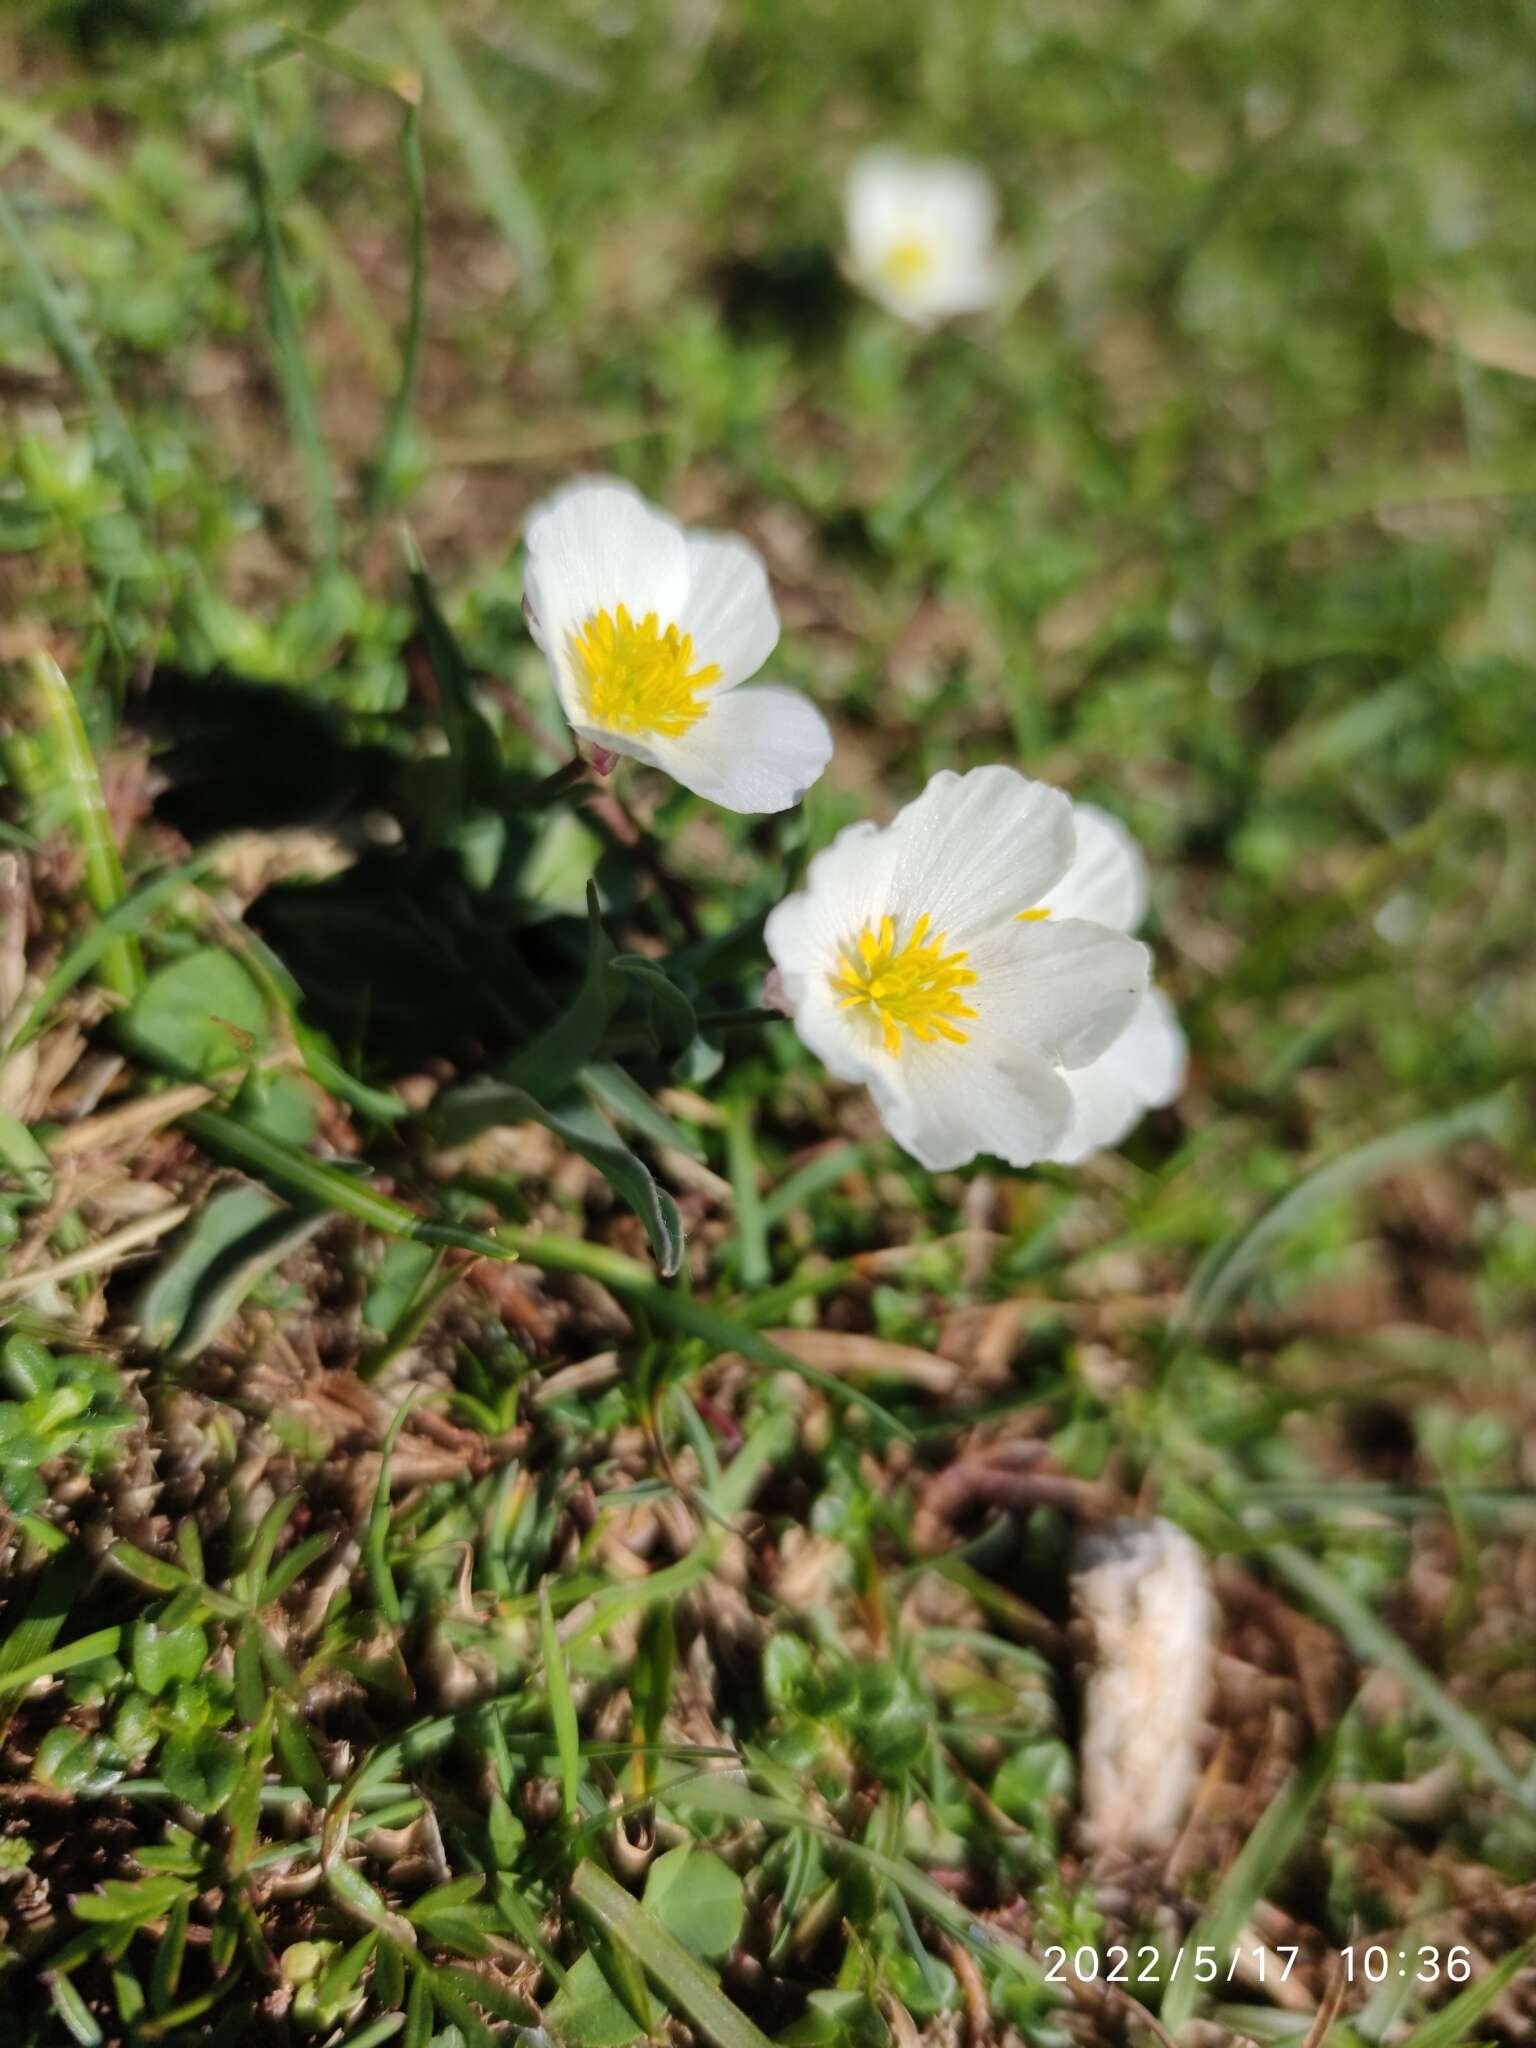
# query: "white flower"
{"type": "Point", "coordinates": [1145, 1066]}
{"type": "Point", "coordinates": [928, 961]}
{"type": "Point", "coordinates": [920, 235]}
{"type": "Point", "coordinates": [649, 629]}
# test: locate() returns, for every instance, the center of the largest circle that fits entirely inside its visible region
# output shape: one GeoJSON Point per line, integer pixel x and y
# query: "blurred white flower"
{"type": "Point", "coordinates": [1145, 1067]}
{"type": "Point", "coordinates": [926, 961]}
{"type": "Point", "coordinates": [920, 235]}
{"type": "Point", "coordinates": [649, 629]}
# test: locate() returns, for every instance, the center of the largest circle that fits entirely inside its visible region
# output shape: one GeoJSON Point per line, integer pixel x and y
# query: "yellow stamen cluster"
{"type": "Point", "coordinates": [907, 262]}
{"type": "Point", "coordinates": [914, 986]}
{"type": "Point", "coordinates": [1033, 916]}
{"type": "Point", "coordinates": [637, 678]}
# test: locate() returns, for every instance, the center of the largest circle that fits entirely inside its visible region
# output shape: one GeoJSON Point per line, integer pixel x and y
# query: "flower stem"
{"type": "Point", "coordinates": [567, 777]}
{"type": "Point", "coordinates": [738, 1020]}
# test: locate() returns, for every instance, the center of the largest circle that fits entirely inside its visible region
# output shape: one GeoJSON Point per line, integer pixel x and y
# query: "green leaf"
{"type": "Point", "coordinates": [73, 2011]}
{"type": "Point", "coordinates": [165, 1976]}
{"type": "Point", "coordinates": [698, 1898]}
{"type": "Point", "coordinates": [1033, 1781]}
{"type": "Point", "coordinates": [200, 1769]}
{"type": "Point", "coordinates": [670, 1017]}
{"type": "Point", "coordinates": [160, 1657]}
{"type": "Point", "coordinates": [48, 1610]}
{"type": "Point", "coordinates": [588, 2012]}
{"type": "Point", "coordinates": [580, 1126]}
{"type": "Point", "coordinates": [228, 1218]}
{"type": "Point", "coordinates": [404, 1267]}
{"type": "Point", "coordinates": [101, 1642]}
{"type": "Point", "coordinates": [550, 1063]}
{"type": "Point", "coordinates": [116, 1900]}
{"type": "Point", "coordinates": [198, 1016]}
{"type": "Point", "coordinates": [687, 1985]}
{"type": "Point", "coordinates": [577, 1124]}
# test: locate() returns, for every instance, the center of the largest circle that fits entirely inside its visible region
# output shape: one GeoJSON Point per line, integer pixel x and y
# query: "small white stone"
{"type": "Point", "coordinates": [1141, 1593]}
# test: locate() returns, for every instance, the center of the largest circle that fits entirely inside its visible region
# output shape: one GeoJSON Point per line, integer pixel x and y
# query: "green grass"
{"type": "Point", "coordinates": [367, 1621]}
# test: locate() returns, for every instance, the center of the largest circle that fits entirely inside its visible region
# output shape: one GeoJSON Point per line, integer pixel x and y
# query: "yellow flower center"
{"type": "Point", "coordinates": [637, 678]}
{"type": "Point", "coordinates": [914, 986]}
{"type": "Point", "coordinates": [907, 262]}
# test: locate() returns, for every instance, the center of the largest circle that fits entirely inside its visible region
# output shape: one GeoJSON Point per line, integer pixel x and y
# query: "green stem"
{"type": "Point", "coordinates": [738, 1020]}
{"type": "Point", "coordinates": [570, 776]}
{"type": "Point", "coordinates": [637, 1287]}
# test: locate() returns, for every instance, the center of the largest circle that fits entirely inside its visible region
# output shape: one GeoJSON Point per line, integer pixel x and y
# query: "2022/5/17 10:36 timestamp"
{"type": "Point", "coordinates": [1370, 1962]}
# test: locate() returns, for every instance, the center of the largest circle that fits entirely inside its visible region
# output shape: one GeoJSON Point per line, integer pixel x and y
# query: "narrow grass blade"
{"type": "Point", "coordinates": [34, 1635]}
{"type": "Point", "coordinates": [311, 1180]}
{"type": "Point", "coordinates": [808, 1181]}
{"type": "Point", "coordinates": [291, 365]}
{"type": "Point", "coordinates": [381, 1582]}
{"type": "Point", "coordinates": [688, 1986]}
{"type": "Point", "coordinates": [386, 463]}
{"type": "Point", "coordinates": [165, 1973]}
{"type": "Point", "coordinates": [1231, 1268]}
{"type": "Point", "coordinates": [479, 140]}
{"type": "Point", "coordinates": [74, 2012]}
{"type": "Point", "coordinates": [1259, 1862]}
{"type": "Point", "coordinates": [725, 1332]}
{"type": "Point", "coordinates": [103, 1642]}
{"type": "Point", "coordinates": [1453, 2022]}
{"type": "Point", "coordinates": [1374, 1643]}
{"type": "Point", "coordinates": [73, 350]}
{"type": "Point", "coordinates": [562, 1708]}
{"type": "Point", "coordinates": [80, 785]}
{"type": "Point", "coordinates": [124, 922]}
{"type": "Point", "coordinates": [751, 1225]}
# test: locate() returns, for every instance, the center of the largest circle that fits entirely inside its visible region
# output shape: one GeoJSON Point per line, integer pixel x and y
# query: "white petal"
{"type": "Point", "coordinates": [878, 204]}
{"type": "Point", "coordinates": [958, 202]}
{"type": "Point", "coordinates": [753, 750]}
{"type": "Point", "coordinates": [947, 1103]}
{"type": "Point", "coordinates": [1143, 1069]}
{"type": "Point", "coordinates": [962, 285]}
{"type": "Point", "coordinates": [1107, 880]}
{"type": "Point", "coordinates": [847, 887]}
{"type": "Point", "coordinates": [1065, 990]}
{"type": "Point", "coordinates": [974, 850]}
{"type": "Point", "coordinates": [592, 546]}
{"type": "Point", "coordinates": [729, 608]}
